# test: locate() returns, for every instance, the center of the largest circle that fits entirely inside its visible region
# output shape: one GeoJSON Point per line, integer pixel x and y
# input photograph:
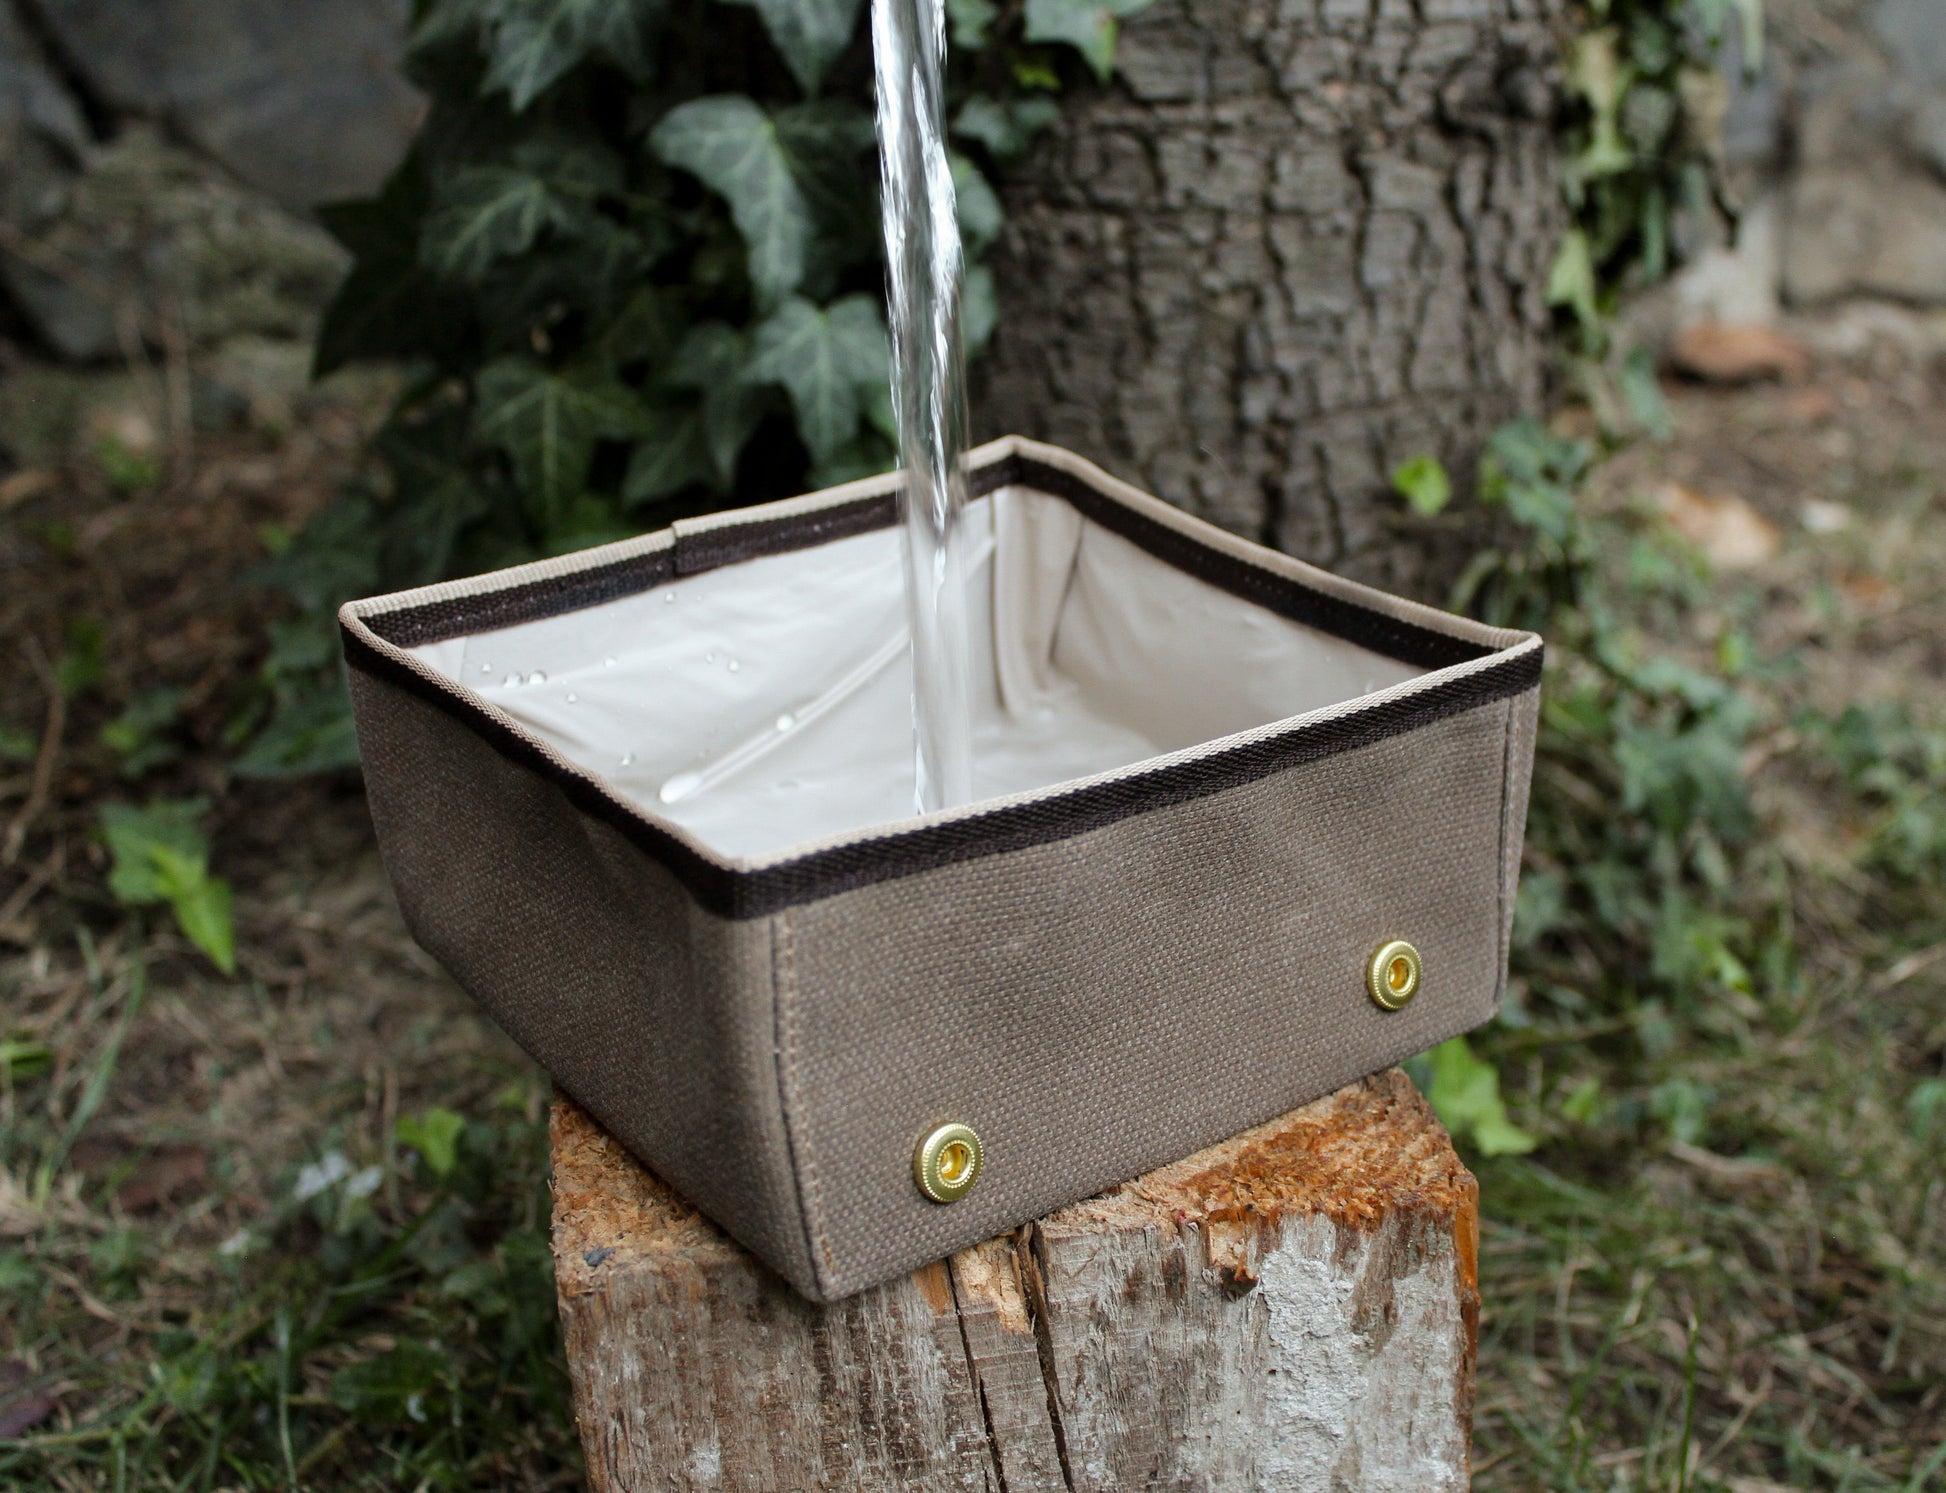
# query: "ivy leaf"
{"type": "Point", "coordinates": [1571, 280]}
{"type": "Point", "coordinates": [731, 145]}
{"type": "Point", "coordinates": [970, 20]}
{"type": "Point", "coordinates": [822, 143]}
{"type": "Point", "coordinates": [646, 329]}
{"type": "Point", "coordinates": [435, 1136]}
{"type": "Point", "coordinates": [444, 21]}
{"type": "Point", "coordinates": [133, 834]}
{"type": "Point", "coordinates": [823, 358]}
{"type": "Point", "coordinates": [141, 735]}
{"type": "Point", "coordinates": [808, 33]}
{"type": "Point", "coordinates": [672, 453]}
{"type": "Point", "coordinates": [1598, 73]}
{"type": "Point", "coordinates": [1464, 1091]}
{"type": "Point", "coordinates": [485, 214]}
{"type": "Point", "coordinates": [536, 41]}
{"type": "Point", "coordinates": [572, 167]}
{"type": "Point", "coordinates": [980, 213]}
{"type": "Point", "coordinates": [388, 306]}
{"type": "Point", "coordinates": [1424, 485]}
{"type": "Point", "coordinates": [160, 854]}
{"type": "Point", "coordinates": [312, 732]}
{"type": "Point", "coordinates": [201, 903]}
{"type": "Point", "coordinates": [714, 359]}
{"type": "Point", "coordinates": [1005, 129]}
{"type": "Point", "coordinates": [979, 309]}
{"type": "Point", "coordinates": [1089, 26]}
{"type": "Point", "coordinates": [548, 424]}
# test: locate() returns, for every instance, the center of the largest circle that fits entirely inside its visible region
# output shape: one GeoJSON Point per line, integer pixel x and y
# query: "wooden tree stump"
{"type": "Point", "coordinates": [1292, 1310]}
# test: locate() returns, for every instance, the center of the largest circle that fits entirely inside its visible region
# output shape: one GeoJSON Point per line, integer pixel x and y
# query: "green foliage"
{"type": "Point", "coordinates": [435, 1136]}
{"type": "Point", "coordinates": [80, 665]}
{"type": "Point", "coordinates": [139, 736]}
{"type": "Point", "coordinates": [1464, 1091]}
{"type": "Point", "coordinates": [159, 854]}
{"type": "Point", "coordinates": [1642, 844]}
{"type": "Point", "coordinates": [1647, 85]}
{"type": "Point", "coordinates": [633, 259]}
{"type": "Point", "coordinates": [1086, 25]}
{"type": "Point", "coordinates": [1424, 485]}
{"type": "Point", "coordinates": [129, 471]}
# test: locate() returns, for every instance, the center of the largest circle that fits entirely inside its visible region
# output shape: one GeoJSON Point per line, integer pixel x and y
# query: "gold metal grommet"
{"type": "Point", "coordinates": [1392, 978]}
{"type": "Point", "coordinates": [947, 1163]}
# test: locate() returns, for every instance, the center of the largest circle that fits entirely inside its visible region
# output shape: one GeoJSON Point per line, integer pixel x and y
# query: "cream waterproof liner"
{"type": "Point", "coordinates": [649, 804]}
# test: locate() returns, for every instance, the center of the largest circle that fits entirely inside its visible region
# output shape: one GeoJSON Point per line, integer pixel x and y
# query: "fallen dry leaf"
{"type": "Point", "coordinates": [1868, 592]}
{"type": "Point", "coordinates": [23, 1415]}
{"type": "Point", "coordinates": [1731, 534]}
{"type": "Point", "coordinates": [170, 1172]}
{"type": "Point", "coordinates": [1718, 353]}
{"type": "Point", "coordinates": [1810, 407]}
{"type": "Point", "coordinates": [18, 487]}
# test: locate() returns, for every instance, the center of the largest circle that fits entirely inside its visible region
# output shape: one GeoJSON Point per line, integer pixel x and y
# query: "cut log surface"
{"type": "Point", "coordinates": [1294, 1309]}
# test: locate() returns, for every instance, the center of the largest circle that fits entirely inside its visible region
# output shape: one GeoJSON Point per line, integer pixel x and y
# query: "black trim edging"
{"type": "Point", "coordinates": [730, 893]}
{"type": "Point", "coordinates": [726, 544]}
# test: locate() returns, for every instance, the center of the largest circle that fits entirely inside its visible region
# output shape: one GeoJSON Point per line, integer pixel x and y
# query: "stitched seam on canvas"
{"type": "Point", "coordinates": [824, 1268]}
{"type": "Point", "coordinates": [733, 893]}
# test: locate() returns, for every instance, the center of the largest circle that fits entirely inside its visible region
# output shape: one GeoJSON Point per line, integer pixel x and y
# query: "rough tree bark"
{"type": "Point", "coordinates": [1294, 243]}
{"type": "Point", "coordinates": [1293, 1311]}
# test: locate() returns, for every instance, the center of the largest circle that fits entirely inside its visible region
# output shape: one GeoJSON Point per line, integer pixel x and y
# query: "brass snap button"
{"type": "Point", "coordinates": [1392, 978]}
{"type": "Point", "coordinates": [947, 1163]}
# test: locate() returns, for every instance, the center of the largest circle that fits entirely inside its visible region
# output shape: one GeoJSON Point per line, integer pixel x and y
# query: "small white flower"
{"type": "Point", "coordinates": [319, 1175]}
{"type": "Point", "coordinates": [363, 1184]}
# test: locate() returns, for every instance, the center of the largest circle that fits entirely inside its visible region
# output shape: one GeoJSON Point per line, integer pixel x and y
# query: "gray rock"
{"type": "Point", "coordinates": [31, 97]}
{"type": "Point", "coordinates": [301, 98]}
{"type": "Point", "coordinates": [43, 138]}
{"type": "Point", "coordinates": [1866, 228]}
{"type": "Point", "coordinates": [153, 243]}
{"type": "Point", "coordinates": [1914, 36]}
{"type": "Point", "coordinates": [1925, 134]}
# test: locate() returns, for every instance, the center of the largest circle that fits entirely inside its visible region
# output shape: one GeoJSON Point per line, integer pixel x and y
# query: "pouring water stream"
{"type": "Point", "coordinates": [923, 272]}
{"type": "Point", "coordinates": [924, 269]}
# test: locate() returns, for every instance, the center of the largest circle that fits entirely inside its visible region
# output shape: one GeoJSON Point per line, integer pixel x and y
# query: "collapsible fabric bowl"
{"type": "Point", "coordinates": [1246, 831]}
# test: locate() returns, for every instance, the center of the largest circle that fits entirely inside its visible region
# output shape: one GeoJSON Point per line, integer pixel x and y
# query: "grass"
{"type": "Point", "coordinates": [287, 1229]}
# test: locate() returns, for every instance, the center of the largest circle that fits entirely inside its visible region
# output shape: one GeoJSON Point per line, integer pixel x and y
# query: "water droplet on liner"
{"type": "Point", "coordinates": [537, 677]}
{"type": "Point", "coordinates": [710, 657]}
{"type": "Point", "coordinates": [785, 722]}
{"type": "Point", "coordinates": [734, 666]}
{"type": "Point", "coordinates": [512, 681]}
{"type": "Point", "coordinates": [572, 697]}
{"type": "Point", "coordinates": [486, 668]}
{"type": "Point", "coordinates": [668, 598]}
{"type": "Point", "coordinates": [680, 786]}
{"type": "Point", "coordinates": [628, 759]}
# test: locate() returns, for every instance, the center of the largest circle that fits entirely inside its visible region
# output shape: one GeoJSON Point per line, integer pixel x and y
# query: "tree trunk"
{"type": "Point", "coordinates": [1293, 244]}
{"type": "Point", "coordinates": [1292, 1311]}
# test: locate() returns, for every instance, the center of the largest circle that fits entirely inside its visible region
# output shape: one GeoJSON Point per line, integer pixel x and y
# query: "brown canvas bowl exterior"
{"type": "Point", "coordinates": [1098, 977]}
